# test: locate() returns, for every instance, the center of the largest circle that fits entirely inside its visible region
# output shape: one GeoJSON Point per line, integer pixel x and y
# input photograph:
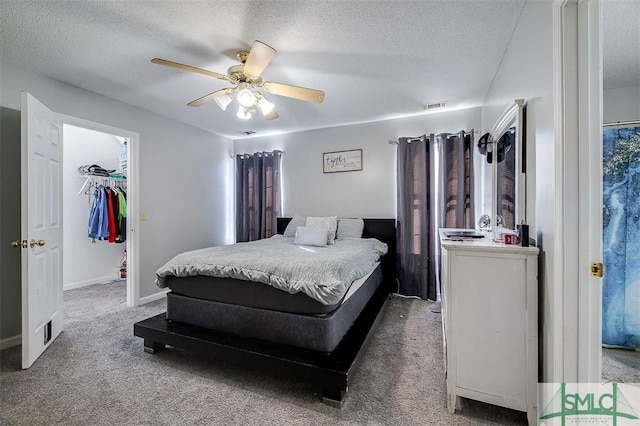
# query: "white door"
{"type": "Point", "coordinates": [41, 223]}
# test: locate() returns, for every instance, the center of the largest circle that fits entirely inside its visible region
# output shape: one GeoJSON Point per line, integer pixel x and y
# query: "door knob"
{"type": "Point", "coordinates": [34, 243]}
{"type": "Point", "coordinates": [19, 243]}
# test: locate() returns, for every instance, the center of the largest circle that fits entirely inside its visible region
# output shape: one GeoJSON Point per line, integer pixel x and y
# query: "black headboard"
{"type": "Point", "coordinates": [381, 229]}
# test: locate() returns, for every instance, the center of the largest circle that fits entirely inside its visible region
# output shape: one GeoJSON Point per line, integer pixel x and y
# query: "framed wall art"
{"type": "Point", "coordinates": [342, 161]}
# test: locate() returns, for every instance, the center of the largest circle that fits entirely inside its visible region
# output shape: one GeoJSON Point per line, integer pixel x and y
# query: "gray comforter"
{"type": "Point", "coordinates": [323, 273]}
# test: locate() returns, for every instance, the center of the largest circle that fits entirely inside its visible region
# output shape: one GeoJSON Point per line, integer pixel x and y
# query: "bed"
{"type": "Point", "coordinates": [239, 319]}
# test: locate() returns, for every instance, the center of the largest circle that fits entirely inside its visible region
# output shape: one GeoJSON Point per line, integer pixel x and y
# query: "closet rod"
{"type": "Point", "coordinates": [98, 179]}
{"type": "Point", "coordinates": [417, 138]}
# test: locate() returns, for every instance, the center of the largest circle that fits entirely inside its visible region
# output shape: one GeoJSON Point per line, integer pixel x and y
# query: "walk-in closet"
{"type": "Point", "coordinates": [94, 208]}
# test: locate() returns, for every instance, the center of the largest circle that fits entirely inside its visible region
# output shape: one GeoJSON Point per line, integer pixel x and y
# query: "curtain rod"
{"type": "Point", "coordinates": [395, 142]}
{"type": "Point", "coordinates": [417, 138]}
{"type": "Point", "coordinates": [259, 153]}
{"type": "Point", "coordinates": [621, 123]}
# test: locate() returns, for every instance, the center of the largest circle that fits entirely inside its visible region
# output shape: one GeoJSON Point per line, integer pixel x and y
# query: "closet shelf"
{"type": "Point", "coordinates": [100, 180]}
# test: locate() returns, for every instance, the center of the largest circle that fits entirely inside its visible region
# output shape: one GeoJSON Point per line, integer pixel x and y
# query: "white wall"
{"type": "Point", "coordinates": [621, 104]}
{"type": "Point", "coordinates": [367, 193]}
{"type": "Point", "coordinates": [85, 261]}
{"type": "Point", "coordinates": [184, 172]}
{"type": "Point", "coordinates": [526, 72]}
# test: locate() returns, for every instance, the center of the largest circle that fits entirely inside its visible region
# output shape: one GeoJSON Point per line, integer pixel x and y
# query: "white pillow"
{"type": "Point", "coordinates": [349, 229]}
{"type": "Point", "coordinates": [330, 223]}
{"type": "Point", "coordinates": [296, 220]}
{"type": "Point", "coordinates": [311, 237]}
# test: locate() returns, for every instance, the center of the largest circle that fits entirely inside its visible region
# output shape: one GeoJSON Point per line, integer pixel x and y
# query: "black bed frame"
{"type": "Point", "coordinates": [332, 371]}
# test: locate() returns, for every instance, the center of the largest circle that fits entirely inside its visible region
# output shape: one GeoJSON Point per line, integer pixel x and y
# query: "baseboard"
{"type": "Point", "coordinates": [153, 297]}
{"type": "Point", "coordinates": [10, 342]}
{"type": "Point", "coordinates": [101, 280]}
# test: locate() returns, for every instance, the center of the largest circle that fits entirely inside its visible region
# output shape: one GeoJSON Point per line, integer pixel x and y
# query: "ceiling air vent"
{"type": "Point", "coordinates": [435, 105]}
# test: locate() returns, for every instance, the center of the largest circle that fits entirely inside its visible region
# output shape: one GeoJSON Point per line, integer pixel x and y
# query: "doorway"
{"type": "Point", "coordinates": [87, 260]}
{"type": "Point", "coordinates": [36, 142]}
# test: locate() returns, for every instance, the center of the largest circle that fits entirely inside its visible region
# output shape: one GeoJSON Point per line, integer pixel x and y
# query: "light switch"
{"type": "Point", "coordinates": [143, 216]}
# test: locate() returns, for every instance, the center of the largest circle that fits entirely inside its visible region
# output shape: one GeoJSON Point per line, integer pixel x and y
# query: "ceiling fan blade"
{"type": "Point", "coordinates": [188, 68]}
{"type": "Point", "coordinates": [259, 57]}
{"type": "Point", "coordinates": [222, 98]}
{"type": "Point", "coordinates": [302, 93]}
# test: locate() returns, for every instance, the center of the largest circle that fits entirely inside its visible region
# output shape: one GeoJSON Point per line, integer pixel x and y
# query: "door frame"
{"type": "Point", "coordinates": [133, 239]}
{"type": "Point", "coordinates": [577, 92]}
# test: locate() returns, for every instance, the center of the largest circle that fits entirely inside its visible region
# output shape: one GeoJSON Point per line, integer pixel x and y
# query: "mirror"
{"type": "Point", "coordinates": [504, 149]}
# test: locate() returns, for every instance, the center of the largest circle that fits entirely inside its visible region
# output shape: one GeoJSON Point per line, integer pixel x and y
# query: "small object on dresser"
{"type": "Point", "coordinates": [523, 234]}
{"type": "Point", "coordinates": [510, 238]}
{"type": "Point", "coordinates": [484, 223]}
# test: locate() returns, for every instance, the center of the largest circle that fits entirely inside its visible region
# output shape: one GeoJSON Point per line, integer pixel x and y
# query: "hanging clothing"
{"type": "Point", "coordinates": [120, 214]}
{"type": "Point", "coordinates": [116, 208]}
{"type": "Point", "coordinates": [111, 216]}
{"type": "Point", "coordinates": [107, 217]}
{"type": "Point", "coordinates": [98, 217]}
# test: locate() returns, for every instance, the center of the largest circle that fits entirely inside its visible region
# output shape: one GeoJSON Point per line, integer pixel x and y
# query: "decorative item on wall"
{"type": "Point", "coordinates": [342, 161]}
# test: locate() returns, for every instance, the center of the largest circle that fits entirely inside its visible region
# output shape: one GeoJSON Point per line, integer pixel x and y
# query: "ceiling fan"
{"type": "Point", "coordinates": [246, 78]}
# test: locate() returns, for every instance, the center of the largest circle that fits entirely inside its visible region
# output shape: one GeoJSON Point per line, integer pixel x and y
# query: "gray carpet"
{"type": "Point", "coordinates": [620, 365]}
{"type": "Point", "coordinates": [96, 373]}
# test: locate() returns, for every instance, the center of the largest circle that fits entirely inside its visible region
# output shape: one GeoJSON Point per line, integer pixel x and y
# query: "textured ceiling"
{"type": "Point", "coordinates": [621, 43]}
{"type": "Point", "coordinates": [374, 59]}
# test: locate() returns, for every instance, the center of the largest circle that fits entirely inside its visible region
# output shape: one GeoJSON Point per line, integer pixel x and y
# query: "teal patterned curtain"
{"type": "Point", "coordinates": [621, 236]}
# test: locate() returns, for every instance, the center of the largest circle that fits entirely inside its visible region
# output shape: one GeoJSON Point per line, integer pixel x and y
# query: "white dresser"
{"type": "Point", "coordinates": [490, 323]}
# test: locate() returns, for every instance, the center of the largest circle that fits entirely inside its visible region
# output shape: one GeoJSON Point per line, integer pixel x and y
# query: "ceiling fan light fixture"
{"type": "Point", "coordinates": [265, 106]}
{"type": "Point", "coordinates": [224, 99]}
{"type": "Point", "coordinates": [247, 81]}
{"type": "Point", "coordinates": [246, 98]}
{"type": "Point", "coordinates": [244, 113]}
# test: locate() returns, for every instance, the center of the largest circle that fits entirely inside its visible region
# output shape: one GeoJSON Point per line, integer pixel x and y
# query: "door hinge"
{"type": "Point", "coordinates": [597, 269]}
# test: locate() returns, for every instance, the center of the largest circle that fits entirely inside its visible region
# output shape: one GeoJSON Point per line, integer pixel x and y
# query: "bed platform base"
{"type": "Point", "coordinates": [333, 371]}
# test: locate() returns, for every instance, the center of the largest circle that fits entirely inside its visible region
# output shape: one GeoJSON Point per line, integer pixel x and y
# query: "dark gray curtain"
{"type": "Point", "coordinates": [258, 200]}
{"type": "Point", "coordinates": [414, 226]}
{"type": "Point", "coordinates": [507, 183]}
{"type": "Point", "coordinates": [456, 180]}
{"type": "Point", "coordinates": [426, 202]}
